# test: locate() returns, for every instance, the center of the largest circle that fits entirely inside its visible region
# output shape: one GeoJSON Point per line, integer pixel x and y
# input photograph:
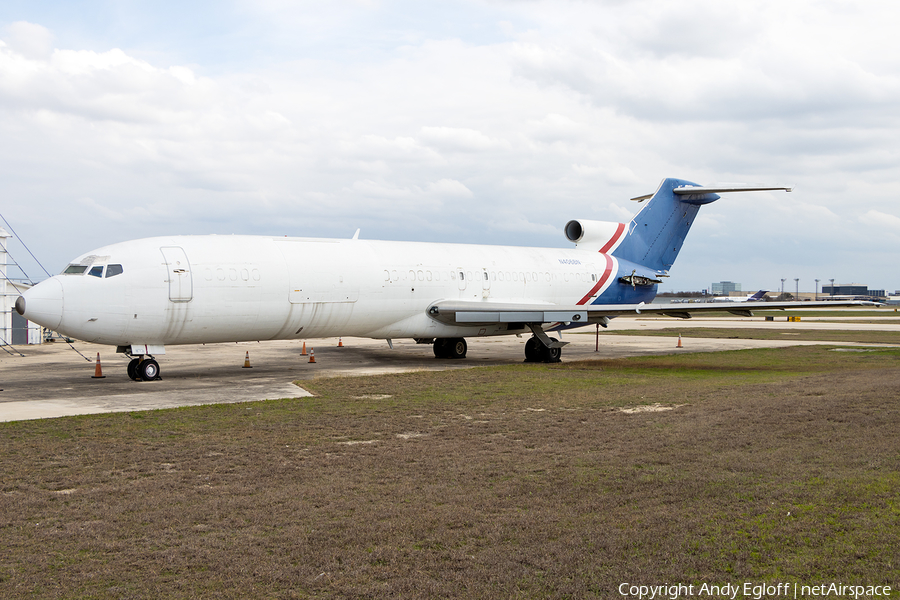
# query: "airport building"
{"type": "Point", "coordinates": [14, 329]}
{"type": "Point", "coordinates": [724, 288]}
{"type": "Point", "coordinates": [851, 289]}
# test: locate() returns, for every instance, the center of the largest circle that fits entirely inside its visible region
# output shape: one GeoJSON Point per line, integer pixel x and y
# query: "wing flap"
{"type": "Point", "coordinates": [516, 315]}
{"type": "Point", "coordinates": [475, 313]}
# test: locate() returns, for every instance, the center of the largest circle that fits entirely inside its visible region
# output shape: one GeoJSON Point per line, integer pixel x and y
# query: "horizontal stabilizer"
{"type": "Point", "coordinates": [687, 189]}
{"type": "Point", "coordinates": [718, 189]}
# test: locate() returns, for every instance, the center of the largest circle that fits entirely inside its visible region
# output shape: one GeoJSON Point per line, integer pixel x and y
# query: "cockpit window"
{"type": "Point", "coordinates": [75, 270]}
{"type": "Point", "coordinates": [96, 271]}
{"type": "Point", "coordinates": [113, 270]}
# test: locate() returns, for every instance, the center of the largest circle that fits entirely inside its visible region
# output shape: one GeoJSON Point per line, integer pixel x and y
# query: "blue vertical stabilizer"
{"type": "Point", "coordinates": [656, 233]}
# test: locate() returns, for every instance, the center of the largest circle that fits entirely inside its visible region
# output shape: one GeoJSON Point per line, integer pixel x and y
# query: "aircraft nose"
{"type": "Point", "coordinates": [43, 303]}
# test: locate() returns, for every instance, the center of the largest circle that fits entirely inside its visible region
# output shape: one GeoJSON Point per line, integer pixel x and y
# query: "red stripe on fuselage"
{"type": "Point", "coordinates": [603, 279]}
{"type": "Point", "coordinates": [613, 239]}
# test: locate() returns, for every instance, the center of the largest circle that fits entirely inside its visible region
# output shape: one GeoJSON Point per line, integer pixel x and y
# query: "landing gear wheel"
{"type": "Point", "coordinates": [132, 369]}
{"type": "Point", "coordinates": [456, 348]}
{"type": "Point", "coordinates": [551, 355]}
{"type": "Point", "coordinates": [450, 348]}
{"type": "Point", "coordinates": [533, 350]}
{"type": "Point", "coordinates": [148, 370]}
{"type": "Point", "coordinates": [440, 348]}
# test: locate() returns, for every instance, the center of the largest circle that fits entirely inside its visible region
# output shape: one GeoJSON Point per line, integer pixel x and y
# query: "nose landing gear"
{"type": "Point", "coordinates": [143, 369]}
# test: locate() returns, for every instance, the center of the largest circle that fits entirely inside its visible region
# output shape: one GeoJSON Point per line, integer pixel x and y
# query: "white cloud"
{"type": "Point", "coordinates": [449, 188]}
{"type": "Point", "coordinates": [471, 121]}
{"type": "Point", "coordinates": [880, 220]}
{"type": "Point", "coordinates": [555, 128]}
{"type": "Point", "coordinates": [29, 39]}
{"type": "Point", "coordinates": [460, 139]}
{"type": "Point", "coordinates": [619, 213]}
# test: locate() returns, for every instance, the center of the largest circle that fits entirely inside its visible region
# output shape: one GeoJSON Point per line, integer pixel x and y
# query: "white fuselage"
{"type": "Point", "coordinates": [205, 289]}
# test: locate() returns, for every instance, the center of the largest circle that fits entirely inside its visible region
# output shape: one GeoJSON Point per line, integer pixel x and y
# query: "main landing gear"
{"type": "Point", "coordinates": [450, 348]}
{"type": "Point", "coordinates": [537, 352]}
{"type": "Point", "coordinates": [143, 369]}
{"type": "Point", "coordinates": [541, 347]}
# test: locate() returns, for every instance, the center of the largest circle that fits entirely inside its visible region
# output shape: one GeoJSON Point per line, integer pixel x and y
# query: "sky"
{"type": "Point", "coordinates": [489, 122]}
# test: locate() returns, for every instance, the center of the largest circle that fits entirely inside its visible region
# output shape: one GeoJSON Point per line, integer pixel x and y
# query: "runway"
{"type": "Point", "coordinates": [52, 380]}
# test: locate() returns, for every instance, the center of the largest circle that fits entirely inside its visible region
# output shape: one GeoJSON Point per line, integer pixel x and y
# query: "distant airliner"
{"type": "Point", "coordinates": [145, 294]}
{"type": "Point", "coordinates": [758, 296]}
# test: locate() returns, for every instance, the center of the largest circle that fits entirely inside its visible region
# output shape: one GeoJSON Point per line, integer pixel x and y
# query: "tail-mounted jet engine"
{"type": "Point", "coordinates": [591, 234]}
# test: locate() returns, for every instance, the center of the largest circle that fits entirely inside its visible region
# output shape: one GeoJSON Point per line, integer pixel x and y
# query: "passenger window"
{"type": "Point", "coordinates": [96, 271]}
{"type": "Point", "coordinates": [75, 270]}
{"type": "Point", "coordinates": [113, 270]}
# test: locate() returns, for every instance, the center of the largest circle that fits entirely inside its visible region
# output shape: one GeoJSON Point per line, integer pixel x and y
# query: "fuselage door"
{"type": "Point", "coordinates": [181, 288]}
{"type": "Point", "coordinates": [461, 275]}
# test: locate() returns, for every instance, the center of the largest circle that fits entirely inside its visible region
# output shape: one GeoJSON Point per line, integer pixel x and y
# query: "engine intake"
{"type": "Point", "coordinates": [593, 234]}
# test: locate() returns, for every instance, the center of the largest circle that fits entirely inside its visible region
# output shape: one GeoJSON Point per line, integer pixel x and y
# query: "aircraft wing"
{"type": "Point", "coordinates": [474, 313]}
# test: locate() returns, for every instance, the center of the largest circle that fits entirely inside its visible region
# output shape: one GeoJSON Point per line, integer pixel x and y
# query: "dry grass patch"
{"type": "Point", "coordinates": [524, 481]}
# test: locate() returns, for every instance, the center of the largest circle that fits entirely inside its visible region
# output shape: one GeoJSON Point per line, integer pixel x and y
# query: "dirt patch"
{"type": "Point", "coordinates": [649, 408]}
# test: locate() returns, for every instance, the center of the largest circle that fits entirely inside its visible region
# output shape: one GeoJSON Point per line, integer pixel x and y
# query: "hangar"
{"type": "Point", "coordinates": [14, 329]}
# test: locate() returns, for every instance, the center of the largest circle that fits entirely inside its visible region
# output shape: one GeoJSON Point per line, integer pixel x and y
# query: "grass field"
{"type": "Point", "coordinates": [529, 481]}
{"type": "Point", "coordinates": [884, 314]}
{"type": "Point", "coordinates": [767, 333]}
{"type": "Point", "coordinates": [880, 316]}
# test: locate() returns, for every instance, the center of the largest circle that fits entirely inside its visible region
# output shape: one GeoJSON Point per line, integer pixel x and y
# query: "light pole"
{"type": "Point", "coordinates": [817, 290]}
{"type": "Point", "coordinates": [797, 281]}
{"type": "Point", "coordinates": [782, 288]}
{"type": "Point", "coordinates": [832, 286]}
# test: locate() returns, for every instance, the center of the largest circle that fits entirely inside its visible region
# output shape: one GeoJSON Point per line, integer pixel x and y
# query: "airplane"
{"type": "Point", "coordinates": [146, 294]}
{"type": "Point", "coordinates": [758, 296]}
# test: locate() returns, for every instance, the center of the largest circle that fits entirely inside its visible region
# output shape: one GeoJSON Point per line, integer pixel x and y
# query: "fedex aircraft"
{"type": "Point", "coordinates": [143, 295]}
{"type": "Point", "coordinates": [757, 297]}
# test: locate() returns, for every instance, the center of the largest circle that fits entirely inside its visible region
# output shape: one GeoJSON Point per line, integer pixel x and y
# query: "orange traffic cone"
{"type": "Point", "coordinates": [304, 350]}
{"type": "Point", "coordinates": [247, 361]}
{"type": "Point", "coordinates": [98, 372]}
{"type": "Point", "coordinates": [678, 345]}
{"type": "Point", "coordinates": [312, 355]}
{"type": "Point", "coordinates": [340, 342]}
